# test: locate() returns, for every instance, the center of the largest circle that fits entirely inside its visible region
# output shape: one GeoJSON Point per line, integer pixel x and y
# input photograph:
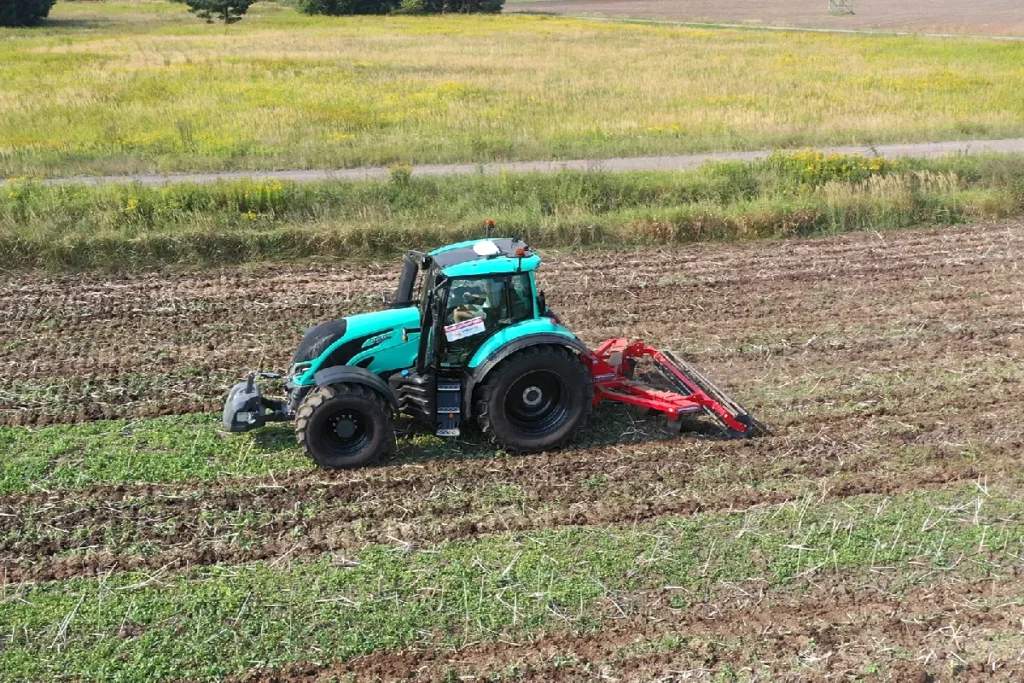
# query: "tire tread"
{"type": "Point", "coordinates": [484, 392]}
{"type": "Point", "coordinates": [320, 395]}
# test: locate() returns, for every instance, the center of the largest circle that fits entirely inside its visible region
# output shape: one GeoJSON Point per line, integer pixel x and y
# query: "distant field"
{"type": "Point", "coordinates": [993, 17]}
{"type": "Point", "coordinates": [143, 86]}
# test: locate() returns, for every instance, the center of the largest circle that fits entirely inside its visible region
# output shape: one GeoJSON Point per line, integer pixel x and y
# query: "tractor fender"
{"type": "Point", "coordinates": [477, 374]}
{"type": "Point", "coordinates": [350, 374]}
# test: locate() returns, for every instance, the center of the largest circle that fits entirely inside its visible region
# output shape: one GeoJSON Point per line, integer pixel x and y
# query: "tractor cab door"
{"type": "Point", "coordinates": [474, 310]}
{"type": "Point", "coordinates": [432, 306]}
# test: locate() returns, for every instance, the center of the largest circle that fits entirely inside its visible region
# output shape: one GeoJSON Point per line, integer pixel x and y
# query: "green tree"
{"type": "Point", "coordinates": [228, 11]}
{"type": "Point", "coordinates": [463, 6]}
{"type": "Point", "coordinates": [337, 7]}
{"type": "Point", "coordinates": [340, 7]}
{"type": "Point", "coordinates": [23, 12]}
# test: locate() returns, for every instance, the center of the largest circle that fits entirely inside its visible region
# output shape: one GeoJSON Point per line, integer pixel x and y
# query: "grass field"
{"type": "Point", "coordinates": [125, 86]}
{"type": "Point", "coordinates": [125, 227]}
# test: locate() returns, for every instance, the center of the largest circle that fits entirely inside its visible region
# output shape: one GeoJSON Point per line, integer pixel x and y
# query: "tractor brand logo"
{"type": "Point", "coordinates": [373, 341]}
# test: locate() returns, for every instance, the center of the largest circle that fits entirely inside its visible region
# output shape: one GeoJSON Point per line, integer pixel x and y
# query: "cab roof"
{"type": "Point", "coordinates": [487, 256]}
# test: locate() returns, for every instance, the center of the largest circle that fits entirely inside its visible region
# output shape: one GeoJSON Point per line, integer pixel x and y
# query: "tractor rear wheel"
{"type": "Point", "coordinates": [344, 426]}
{"type": "Point", "coordinates": [536, 399]}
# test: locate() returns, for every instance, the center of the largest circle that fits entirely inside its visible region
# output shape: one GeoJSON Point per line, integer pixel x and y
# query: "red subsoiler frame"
{"type": "Point", "coordinates": [612, 365]}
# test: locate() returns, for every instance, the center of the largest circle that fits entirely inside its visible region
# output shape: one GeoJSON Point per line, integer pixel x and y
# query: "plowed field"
{"type": "Point", "coordinates": [759, 316]}
{"type": "Point", "coordinates": [993, 17]}
{"type": "Point", "coordinates": [888, 365]}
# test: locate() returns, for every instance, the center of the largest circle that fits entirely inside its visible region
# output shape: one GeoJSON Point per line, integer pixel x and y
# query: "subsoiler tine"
{"type": "Point", "coordinates": [706, 385]}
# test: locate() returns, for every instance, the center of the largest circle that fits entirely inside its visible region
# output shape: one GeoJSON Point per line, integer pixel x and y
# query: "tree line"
{"type": "Point", "coordinates": [31, 12]}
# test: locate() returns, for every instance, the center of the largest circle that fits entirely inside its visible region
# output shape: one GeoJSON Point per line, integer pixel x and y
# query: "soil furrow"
{"type": "Point", "coordinates": [837, 628]}
{"type": "Point", "coordinates": [184, 532]}
{"type": "Point", "coordinates": [85, 347]}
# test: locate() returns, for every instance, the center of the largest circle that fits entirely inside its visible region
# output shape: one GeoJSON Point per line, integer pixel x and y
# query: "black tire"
{"type": "Point", "coordinates": [534, 400]}
{"type": "Point", "coordinates": [344, 426]}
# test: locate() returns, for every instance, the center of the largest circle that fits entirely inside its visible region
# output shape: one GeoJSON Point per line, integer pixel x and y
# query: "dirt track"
{"type": "Point", "coordinates": [992, 17]}
{"type": "Point", "coordinates": [676, 162]}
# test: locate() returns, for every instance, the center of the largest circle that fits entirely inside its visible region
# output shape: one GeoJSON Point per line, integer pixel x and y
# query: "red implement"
{"type": "Point", "coordinates": [612, 365]}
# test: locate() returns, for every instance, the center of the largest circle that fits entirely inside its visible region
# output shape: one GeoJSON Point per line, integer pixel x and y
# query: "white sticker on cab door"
{"type": "Point", "coordinates": [467, 328]}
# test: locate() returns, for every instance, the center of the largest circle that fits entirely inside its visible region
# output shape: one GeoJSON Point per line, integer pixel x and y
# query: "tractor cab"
{"type": "Point", "coordinates": [476, 298]}
{"type": "Point", "coordinates": [474, 290]}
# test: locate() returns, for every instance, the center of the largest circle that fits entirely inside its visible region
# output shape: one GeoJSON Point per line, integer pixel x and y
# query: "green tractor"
{"type": "Point", "coordinates": [466, 336]}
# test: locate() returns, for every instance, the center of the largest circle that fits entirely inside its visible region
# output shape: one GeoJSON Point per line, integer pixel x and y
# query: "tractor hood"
{"type": "Point", "coordinates": [369, 340]}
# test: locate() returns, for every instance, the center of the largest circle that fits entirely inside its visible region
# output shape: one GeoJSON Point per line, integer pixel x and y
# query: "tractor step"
{"type": "Point", "coordinates": [449, 407]}
{"type": "Point", "coordinates": [613, 364]}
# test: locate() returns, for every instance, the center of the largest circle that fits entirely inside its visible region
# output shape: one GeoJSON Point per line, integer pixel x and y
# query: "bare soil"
{"type": "Point", "coordinates": [884, 363]}
{"type": "Point", "coordinates": [991, 17]}
{"type": "Point", "coordinates": [757, 314]}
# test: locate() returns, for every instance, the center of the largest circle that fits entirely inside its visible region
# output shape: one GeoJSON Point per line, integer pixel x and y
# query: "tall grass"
{"type": "Point", "coordinates": [129, 85]}
{"type": "Point", "coordinates": [116, 227]}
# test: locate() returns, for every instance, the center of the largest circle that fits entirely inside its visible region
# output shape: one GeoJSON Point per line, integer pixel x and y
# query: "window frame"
{"type": "Point", "coordinates": [507, 320]}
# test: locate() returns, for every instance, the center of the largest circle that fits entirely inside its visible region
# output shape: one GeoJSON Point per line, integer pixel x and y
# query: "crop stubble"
{"type": "Point", "coordinates": [885, 362]}
{"type": "Point", "coordinates": [830, 632]}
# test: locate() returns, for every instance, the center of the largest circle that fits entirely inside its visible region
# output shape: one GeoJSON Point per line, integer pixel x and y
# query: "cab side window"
{"type": "Point", "coordinates": [477, 308]}
{"type": "Point", "coordinates": [520, 297]}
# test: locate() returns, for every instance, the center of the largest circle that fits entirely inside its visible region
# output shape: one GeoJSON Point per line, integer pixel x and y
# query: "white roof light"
{"type": "Point", "coordinates": [486, 248]}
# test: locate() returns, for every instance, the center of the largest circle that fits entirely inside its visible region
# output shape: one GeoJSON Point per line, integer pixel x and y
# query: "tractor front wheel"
{"type": "Point", "coordinates": [536, 399]}
{"type": "Point", "coordinates": [344, 426]}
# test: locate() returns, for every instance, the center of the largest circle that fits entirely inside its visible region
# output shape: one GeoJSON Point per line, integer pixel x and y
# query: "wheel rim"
{"type": "Point", "coordinates": [537, 403]}
{"type": "Point", "coordinates": [346, 432]}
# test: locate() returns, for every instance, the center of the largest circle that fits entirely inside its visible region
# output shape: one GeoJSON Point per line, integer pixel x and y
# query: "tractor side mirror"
{"type": "Point", "coordinates": [542, 302]}
{"type": "Point", "coordinates": [385, 297]}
